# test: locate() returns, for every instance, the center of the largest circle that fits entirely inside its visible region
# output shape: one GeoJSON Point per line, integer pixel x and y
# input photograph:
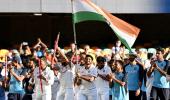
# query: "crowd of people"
{"type": "Point", "coordinates": [42, 73]}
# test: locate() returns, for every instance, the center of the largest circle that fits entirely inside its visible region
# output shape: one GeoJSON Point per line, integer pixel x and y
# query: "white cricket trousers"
{"type": "Point", "coordinates": [65, 94]}
{"type": "Point", "coordinates": [41, 97]}
{"type": "Point", "coordinates": [87, 94]}
{"type": "Point", "coordinates": [103, 94]}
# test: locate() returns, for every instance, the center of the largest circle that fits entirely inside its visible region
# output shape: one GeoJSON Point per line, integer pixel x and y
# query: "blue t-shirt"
{"type": "Point", "coordinates": [133, 79]}
{"type": "Point", "coordinates": [119, 92]}
{"type": "Point", "coordinates": [160, 80]}
{"type": "Point", "coordinates": [143, 88]}
{"type": "Point", "coordinates": [15, 85]}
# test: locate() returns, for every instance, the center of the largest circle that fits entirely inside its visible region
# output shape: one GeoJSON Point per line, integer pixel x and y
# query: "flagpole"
{"type": "Point", "coordinates": [6, 64]}
{"type": "Point", "coordinates": [74, 28]}
{"type": "Point", "coordinates": [74, 31]}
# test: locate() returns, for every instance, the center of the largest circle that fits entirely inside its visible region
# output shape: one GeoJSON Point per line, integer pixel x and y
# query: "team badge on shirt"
{"type": "Point", "coordinates": [103, 70]}
{"type": "Point", "coordinates": [135, 68]}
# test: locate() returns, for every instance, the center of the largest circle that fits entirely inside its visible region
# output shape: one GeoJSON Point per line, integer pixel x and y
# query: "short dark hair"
{"type": "Point", "coordinates": [101, 59]}
{"type": "Point", "coordinates": [150, 55]}
{"type": "Point", "coordinates": [160, 49]}
{"type": "Point", "coordinates": [43, 58]}
{"type": "Point", "coordinates": [132, 55]}
{"type": "Point", "coordinates": [120, 62]}
{"type": "Point", "coordinates": [16, 59]}
{"type": "Point", "coordinates": [89, 56]}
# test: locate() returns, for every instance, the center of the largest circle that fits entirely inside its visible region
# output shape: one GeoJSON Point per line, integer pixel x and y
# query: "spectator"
{"type": "Point", "coordinates": [117, 51]}
{"type": "Point", "coordinates": [24, 49]}
{"type": "Point", "coordinates": [25, 52]}
{"type": "Point", "coordinates": [87, 49]}
{"type": "Point", "coordinates": [40, 47]}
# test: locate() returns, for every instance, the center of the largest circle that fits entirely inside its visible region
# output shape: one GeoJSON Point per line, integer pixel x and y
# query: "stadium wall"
{"type": "Point", "coordinates": [64, 6]}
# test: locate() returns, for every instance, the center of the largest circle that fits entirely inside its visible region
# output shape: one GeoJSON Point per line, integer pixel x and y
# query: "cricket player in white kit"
{"type": "Point", "coordinates": [56, 85]}
{"type": "Point", "coordinates": [47, 79]}
{"type": "Point", "coordinates": [66, 78]}
{"type": "Point", "coordinates": [87, 74]}
{"type": "Point", "coordinates": [102, 81]}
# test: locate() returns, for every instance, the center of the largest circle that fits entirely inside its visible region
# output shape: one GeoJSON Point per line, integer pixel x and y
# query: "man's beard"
{"type": "Point", "coordinates": [100, 67]}
{"type": "Point", "coordinates": [131, 59]}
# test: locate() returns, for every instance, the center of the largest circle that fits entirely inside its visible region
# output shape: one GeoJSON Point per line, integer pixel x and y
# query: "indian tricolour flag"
{"type": "Point", "coordinates": [85, 10]}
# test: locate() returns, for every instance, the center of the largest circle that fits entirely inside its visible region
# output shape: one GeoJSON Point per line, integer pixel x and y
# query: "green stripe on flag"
{"type": "Point", "coordinates": [87, 16]}
{"type": "Point", "coordinates": [123, 41]}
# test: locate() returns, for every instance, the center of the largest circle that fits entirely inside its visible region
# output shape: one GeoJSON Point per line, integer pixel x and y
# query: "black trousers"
{"type": "Point", "coordinates": [27, 97]}
{"type": "Point", "coordinates": [15, 96]}
{"type": "Point", "coordinates": [133, 97]}
{"type": "Point", "coordinates": [159, 93]}
{"type": "Point", "coordinates": [143, 96]}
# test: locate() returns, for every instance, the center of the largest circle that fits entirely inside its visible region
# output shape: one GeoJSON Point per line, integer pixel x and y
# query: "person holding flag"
{"type": "Point", "coordinates": [66, 70]}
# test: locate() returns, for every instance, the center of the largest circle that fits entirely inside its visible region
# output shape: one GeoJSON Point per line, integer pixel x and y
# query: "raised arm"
{"type": "Point", "coordinates": [37, 44]}
{"type": "Point", "coordinates": [62, 54]}
{"type": "Point", "coordinates": [20, 49]}
{"type": "Point", "coordinates": [43, 44]}
{"type": "Point", "coordinates": [151, 70]}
